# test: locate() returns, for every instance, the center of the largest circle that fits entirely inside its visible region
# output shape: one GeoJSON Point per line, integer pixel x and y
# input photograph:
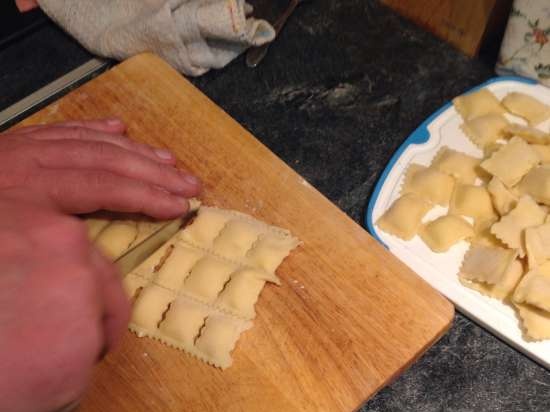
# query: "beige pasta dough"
{"type": "Point", "coordinates": [500, 289]}
{"type": "Point", "coordinates": [428, 183]}
{"type": "Point", "coordinates": [198, 292]}
{"type": "Point", "coordinates": [444, 232]}
{"type": "Point", "coordinates": [543, 151]}
{"type": "Point", "coordinates": [537, 184]}
{"type": "Point", "coordinates": [535, 322]}
{"type": "Point", "coordinates": [487, 264]}
{"type": "Point", "coordinates": [464, 168]}
{"type": "Point", "coordinates": [485, 130]}
{"type": "Point", "coordinates": [529, 134]}
{"type": "Point", "coordinates": [534, 288]}
{"type": "Point", "coordinates": [511, 162]}
{"type": "Point", "coordinates": [117, 238]}
{"type": "Point", "coordinates": [537, 244]}
{"type": "Point", "coordinates": [478, 103]}
{"type": "Point", "coordinates": [472, 201]}
{"type": "Point", "coordinates": [404, 216]}
{"type": "Point", "coordinates": [531, 109]}
{"type": "Point", "coordinates": [511, 226]}
{"type": "Point", "coordinates": [503, 199]}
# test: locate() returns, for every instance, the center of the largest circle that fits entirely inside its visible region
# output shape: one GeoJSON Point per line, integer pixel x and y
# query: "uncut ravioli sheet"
{"type": "Point", "coordinates": [197, 292]}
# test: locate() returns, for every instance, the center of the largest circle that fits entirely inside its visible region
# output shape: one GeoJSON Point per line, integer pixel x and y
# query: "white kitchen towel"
{"type": "Point", "coordinates": [194, 36]}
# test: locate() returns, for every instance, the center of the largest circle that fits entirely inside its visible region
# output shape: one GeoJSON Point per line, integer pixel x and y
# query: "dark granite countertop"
{"type": "Point", "coordinates": [339, 91]}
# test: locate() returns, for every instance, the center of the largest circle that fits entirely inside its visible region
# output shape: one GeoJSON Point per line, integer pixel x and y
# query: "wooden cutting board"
{"type": "Point", "coordinates": [348, 317]}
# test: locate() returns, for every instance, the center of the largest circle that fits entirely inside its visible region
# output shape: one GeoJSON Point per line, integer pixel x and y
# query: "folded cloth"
{"type": "Point", "coordinates": [194, 36]}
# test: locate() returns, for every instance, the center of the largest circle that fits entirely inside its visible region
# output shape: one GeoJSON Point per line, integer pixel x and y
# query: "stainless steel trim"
{"type": "Point", "coordinates": [50, 90]}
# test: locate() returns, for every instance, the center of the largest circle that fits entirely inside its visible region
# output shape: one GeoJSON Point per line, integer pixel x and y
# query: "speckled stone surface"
{"type": "Point", "coordinates": [339, 91]}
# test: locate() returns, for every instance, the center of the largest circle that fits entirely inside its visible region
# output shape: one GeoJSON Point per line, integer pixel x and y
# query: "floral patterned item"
{"type": "Point", "coordinates": [525, 50]}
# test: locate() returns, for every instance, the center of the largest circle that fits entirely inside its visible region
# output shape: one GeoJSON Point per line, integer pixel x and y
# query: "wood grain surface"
{"type": "Point", "coordinates": [464, 24]}
{"type": "Point", "coordinates": [348, 317]}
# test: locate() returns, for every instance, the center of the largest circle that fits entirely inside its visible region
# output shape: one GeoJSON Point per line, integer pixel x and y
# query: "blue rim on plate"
{"type": "Point", "coordinates": [420, 136]}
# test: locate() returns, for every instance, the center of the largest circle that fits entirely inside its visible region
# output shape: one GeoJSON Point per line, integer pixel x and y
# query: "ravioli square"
{"type": "Point", "coordinates": [464, 168]}
{"type": "Point", "coordinates": [206, 227]}
{"type": "Point", "coordinates": [537, 245]}
{"type": "Point", "coordinates": [208, 277]}
{"type": "Point", "coordinates": [529, 134]}
{"type": "Point", "coordinates": [236, 239]}
{"type": "Point", "coordinates": [503, 288]}
{"type": "Point", "coordinates": [478, 103]}
{"type": "Point", "coordinates": [534, 288]}
{"type": "Point", "coordinates": [404, 216]}
{"type": "Point", "coordinates": [149, 308]}
{"type": "Point", "coordinates": [487, 264]}
{"type": "Point", "coordinates": [526, 106]}
{"type": "Point", "coordinates": [543, 151]}
{"type": "Point", "coordinates": [472, 201]}
{"type": "Point", "coordinates": [535, 322]}
{"type": "Point", "coordinates": [503, 199]}
{"type": "Point", "coordinates": [184, 321]}
{"type": "Point", "coordinates": [510, 227]}
{"type": "Point", "coordinates": [486, 129]}
{"type": "Point", "coordinates": [536, 184]}
{"type": "Point", "coordinates": [269, 251]}
{"type": "Point", "coordinates": [218, 338]}
{"type": "Point", "coordinates": [511, 162]}
{"type": "Point", "coordinates": [116, 238]}
{"type": "Point", "coordinates": [177, 266]}
{"type": "Point", "coordinates": [241, 293]}
{"type": "Point", "coordinates": [429, 183]}
{"type": "Point", "coordinates": [132, 283]}
{"type": "Point", "coordinates": [444, 232]}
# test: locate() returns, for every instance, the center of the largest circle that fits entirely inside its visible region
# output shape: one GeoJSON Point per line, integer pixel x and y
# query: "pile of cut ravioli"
{"type": "Point", "coordinates": [499, 203]}
{"type": "Point", "coordinates": [198, 291]}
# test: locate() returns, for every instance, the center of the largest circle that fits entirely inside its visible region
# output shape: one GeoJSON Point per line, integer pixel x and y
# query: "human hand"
{"type": "Point", "coordinates": [90, 165]}
{"type": "Point", "coordinates": [26, 5]}
{"type": "Point", "coordinates": [61, 305]}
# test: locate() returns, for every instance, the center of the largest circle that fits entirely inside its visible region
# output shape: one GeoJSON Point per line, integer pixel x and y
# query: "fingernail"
{"type": "Point", "coordinates": [191, 180]}
{"type": "Point", "coordinates": [184, 203]}
{"type": "Point", "coordinates": [114, 122]}
{"type": "Point", "coordinates": [164, 154]}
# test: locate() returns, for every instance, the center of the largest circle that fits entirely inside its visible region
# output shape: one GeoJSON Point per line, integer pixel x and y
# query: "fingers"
{"type": "Point", "coordinates": [85, 191]}
{"type": "Point", "coordinates": [116, 308]}
{"type": "Point", "coordinates": [101, 156]}
{"type": "Point", "coordinates": [26, 5]}
{"type": "Point", "coordinates": [113, 126]}
{"type": "Point", "coordinates": [107, 130]}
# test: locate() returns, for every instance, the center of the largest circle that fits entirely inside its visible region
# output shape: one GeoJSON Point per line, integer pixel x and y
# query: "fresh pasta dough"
{"type": "Point", "coordinates": [529, 134]}
{"type": "Point", "coordinates": [510, 227]}
{"type": "Point", "coordinates": [503, 199]}
{"type": "Point", "coordinates": [444, 232]}
{"type": "Point", "coordinates": [476, 104]}
{"type": "Point", "coordinates": [511, 162]}
{"type": "Point", "coordinates": [506, 195]}
{"type": "Point", "coordinates": [535, 321]}
{"type": "Point", "coordinates": [543, 151]}
{"type": "Point", "coordinates": [429, 183]}
{"type": "Point", "coordinates": [534, 288]}
{"type": "Point", "coordinates": [485, 130]}
{"type": "Point", "coordinates": [404, 216]}
{"type": "Point", "coordinates": [537, 241]}
{"type": "Point", "coordinates": [502, 288]}
{"type": "Point", "coordinates": [536, 184]}
{"type": "Point", "coordinates": [117, 238]}
{"type": "Point", "coordinates": [487, 264]}
{"type": "Point", "coordinates": [198, 291]}
{"type": "Point", "coordinates": [462, 167]}
{"type": "Point", "coordinates": [523, 105]}
{"type": "Point", "coordinates": [472, 201]}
